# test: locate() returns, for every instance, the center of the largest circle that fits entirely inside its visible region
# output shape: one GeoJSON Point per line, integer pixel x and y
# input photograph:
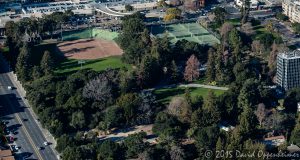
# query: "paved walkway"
{"type": "Point", "coordinates": [192, 85]}
{"type": "Point", "coordinates": [203, 86]}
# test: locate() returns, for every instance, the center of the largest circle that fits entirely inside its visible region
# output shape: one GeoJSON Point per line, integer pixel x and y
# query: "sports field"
{"type": "Point", "coordinates": [83, 52]}
{"type": "Point", "coordinates": [188, 31]}
{"type": "Point", "coordinates": [72, 65]}
{"type": "Point", "coordinates": [89, 48]}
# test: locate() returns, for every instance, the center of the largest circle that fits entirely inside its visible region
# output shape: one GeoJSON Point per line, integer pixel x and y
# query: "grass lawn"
{"type": "Point", "coordinates": [164, 95]}
{"type": "Point", "coordinates": [235, 22]}
{"type": "Point", "coordinates": [71, 65]}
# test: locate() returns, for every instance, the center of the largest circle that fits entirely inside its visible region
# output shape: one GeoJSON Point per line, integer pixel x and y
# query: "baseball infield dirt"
{"type": "Point", "coordinates": [89, 49]}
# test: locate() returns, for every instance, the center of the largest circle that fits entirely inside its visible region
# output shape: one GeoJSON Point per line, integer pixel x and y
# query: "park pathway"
{"type": "Point", "coordinates": [194, 85]}
{"type": "Point", "coordinates": [190, 85]}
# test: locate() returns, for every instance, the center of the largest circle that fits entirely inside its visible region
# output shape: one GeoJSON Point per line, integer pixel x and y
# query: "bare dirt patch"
{"type": "Point", "coordinates": [89, 49]}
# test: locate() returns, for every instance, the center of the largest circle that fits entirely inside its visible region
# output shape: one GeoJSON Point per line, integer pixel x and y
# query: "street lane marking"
{"type": "Point", "coordinates": [25, 130]}
{"type": "Point", "coordinates": [29, 138]}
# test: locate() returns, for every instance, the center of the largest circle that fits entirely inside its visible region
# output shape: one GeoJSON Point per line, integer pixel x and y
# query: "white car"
{"type": "Point", "coordinates": [14, 148]}
{"type": "Point", "coordinates": [9, 87]}
{"type": "Point", "coordinates": [46, 143]}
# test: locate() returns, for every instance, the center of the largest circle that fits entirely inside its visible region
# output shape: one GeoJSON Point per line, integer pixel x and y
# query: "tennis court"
{"type": "Point", "coordinates": [188, 31]}
{"type": "Point", "coordinates": [87, 33]}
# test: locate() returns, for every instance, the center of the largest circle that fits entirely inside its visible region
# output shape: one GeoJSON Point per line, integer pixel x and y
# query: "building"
{"type": "Point", "coordinates": [274, 141]}
{"type": "Point", "coordinates": [38, 9]}
{"type": "Point", "coordinates": [288, 69]}
{"type": "Point", "coordinates": [175, 2]}
{"type": "Point", "coordinates": [194, 4]}
{"type": "Point", "coordinates": [6, 155]}
{"type": "Point", "coordinates": [291, 8]}
{"type": "Point", "coordinates": [253, 3]}
{"type": "Point", "coordinates": [293, 148]}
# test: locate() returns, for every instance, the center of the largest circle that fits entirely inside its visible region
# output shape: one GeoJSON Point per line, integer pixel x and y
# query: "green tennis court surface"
{"type": "Point", "coordinates": [188, 31]}
{"type": "Point", "coordinates": [86, 33]}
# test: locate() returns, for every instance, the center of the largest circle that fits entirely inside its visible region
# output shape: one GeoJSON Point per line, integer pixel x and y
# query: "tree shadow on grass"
{"type": "Point", "coordinates": [71, 66]}
{"type": "Point", "coordinates": [164, 95]}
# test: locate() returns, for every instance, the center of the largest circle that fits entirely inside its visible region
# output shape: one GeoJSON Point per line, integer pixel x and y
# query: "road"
{"type": "Point", "coordinates": [16, 112]}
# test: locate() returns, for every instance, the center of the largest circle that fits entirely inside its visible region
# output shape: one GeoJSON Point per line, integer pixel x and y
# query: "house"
{"type": "Point", "coordinates": [194, 4]}
{"type": "Point", "coordinates": [293, 148]}
{"type": "Point", "coordinates": [225, 126]}
{"type": "Point", "coordinates": [274, 141]}
{"type": "Point", "coordinates": [175, 2]}
{"type": "Point", "coordinates": [6, 155]}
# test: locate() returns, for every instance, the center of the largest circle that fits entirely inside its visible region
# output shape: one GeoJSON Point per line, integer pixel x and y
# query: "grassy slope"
{"type": "Point", "coordinates": [165, 94]}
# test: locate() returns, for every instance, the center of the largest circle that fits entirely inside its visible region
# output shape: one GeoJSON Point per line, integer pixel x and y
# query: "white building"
{"type": "Point", "coordinates": [291, 8]}
{"type": "Point", "coordinates": [38, 9]}
{"type": "Point", "coordinates": [253, 3]}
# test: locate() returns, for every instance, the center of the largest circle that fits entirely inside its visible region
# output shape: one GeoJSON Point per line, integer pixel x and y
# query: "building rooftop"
{"type": "Point", "coordinates": [293, 148]}
{"type": "Point", "coordinates": [5, 153]}
{"type": "Point", "coordinates": [290, 55]}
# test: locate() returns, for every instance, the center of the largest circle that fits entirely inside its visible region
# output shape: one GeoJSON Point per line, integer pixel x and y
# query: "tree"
{"type": "Point", "coordinates": [211, 106]}
{"type": "Point", "coordinates": [206, 139]}
{"type": "Point", "coordinates": [109, 150]}
{"type": "Point", "coordinates": [291, 100]}
{"type": "Point", "coordinates": [99, 89]}
{"type": "Point", "coordinates": [71, 153]}
{"type": "Point", "coordinates": [281, 16]}
{"type": "Point", "coordinates": [295, 135]}
{"type": "Point", "coordinates": [257, 47]}
{"type": "Point", "coordinates": [36, 72]}
{"type": "Point", "coordinates": [220, 15]}
{"type": "Point", "coordinates": [172, 13]}
{"type": "Point", "coordinates": [219, 145]}
{"type": "Point", "coordinates": [128, 7]}
{"type": "Point", "coordinates": [166, 127]}
{"type": "Point", "coordinates": [134, 144]}
{"type": "Point", "coordinates": [248, 123]}
{"type": "Point", "coordinates": [180, 108]}
{"type": "Point", "coordinates": [270, 27]}
{"type": "Point", "coordinates": [211, 70]}
{"type": "Point", "coordinates": [245, 11]}
{"type": "Point", "coordinates": [209, 114]}
{"type": "Point", "coordinates": [149, 72]}
{"type": "Point", "coordinates": [247, 28]}
{"type": "Point", "coordinates": [261, 113]}
{"type": "Point", "coordinates": [114, 117]}
{"type": "Point", "coordinates": [272, 60]}
{"type": "Point", "coordinates": [147, 108]}
{"type": "Point", "coordinates": [63, 141]}
{"type": "Point", "coordinates": [131, 38]}
{"type": "Point", "coordinates": [174, 73]}
{"type": "Point", "coordinates": [128, 81]}
{"type": "Point", "coordinates": [224, 31]}
{"type": "Point", "coordinates": [235, 42]}
{"type": "Point", "coordinates": [47, 63]}
{"type": "Point", "coordinates": [176, 153]}
{"type": "Point", "coordinates": [78, 120]}
{"type": "Point", "coordinates": [296, 27]}
{"type": "Point", "coordinates": [191, 72]}
{"type": "Point", "coordinates": [23, 63]}
{"type": "Point", "coordinates": [249, 94]}
{"type": "Point", "coordinates": [254, 147]}
{"type": "Point", "coordinates": [129, 104]}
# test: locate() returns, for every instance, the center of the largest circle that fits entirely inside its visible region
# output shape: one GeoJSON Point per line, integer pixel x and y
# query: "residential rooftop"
{"type": "Point", "coordinates": [290, 55]}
